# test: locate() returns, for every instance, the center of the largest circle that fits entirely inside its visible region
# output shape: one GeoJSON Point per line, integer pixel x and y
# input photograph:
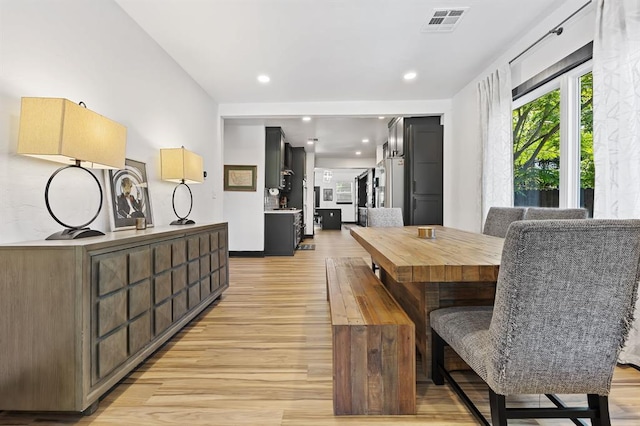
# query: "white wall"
{"type": "Point", "coordinates": [463, 190]}
{"type": "Point", "coordinates": [93, 52]}
{"type": "Point", "coordinates": [245, 145]}
{"type": "Point", "coordinates": [339, 175]}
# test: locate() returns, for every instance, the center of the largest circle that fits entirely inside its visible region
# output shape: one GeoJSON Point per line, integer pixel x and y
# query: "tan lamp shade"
{"type": "Point", "coordinates": [59, 130]}
{"type": "Point", "coordinates": [179, 164]}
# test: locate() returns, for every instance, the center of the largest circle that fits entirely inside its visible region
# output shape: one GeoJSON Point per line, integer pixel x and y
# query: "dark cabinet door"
{"type": "Point", "coordinates": [391, 142]}
{"type": "Point", "coordinates": [279, 234]}
{"type": "Point", "coordinates": [288, 155]}
{"type": "Point", "coordinates": [274, 157]}
{"type": "Point", "coordinates": [296, 193]}
{"type": "Point", "coordinates": [400, 137]}
{"type": "Point", "coordinates": [424, 180]}
{"type": "Point", "coordinates": [395, 143]}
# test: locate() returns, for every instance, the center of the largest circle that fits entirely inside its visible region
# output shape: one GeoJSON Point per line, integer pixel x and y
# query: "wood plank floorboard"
{"type": "Point", "coordinates": [262, 356]}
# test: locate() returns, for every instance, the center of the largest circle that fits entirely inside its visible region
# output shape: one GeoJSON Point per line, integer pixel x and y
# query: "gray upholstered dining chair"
{"type": "Point", "coordinates": [382, 217]}
{"type": "Point", "coordinates": [546, 213]}
{"type": "Point", "coordinates": [499, 218]}
{"type": "Point", "coordinates": [564, 304]}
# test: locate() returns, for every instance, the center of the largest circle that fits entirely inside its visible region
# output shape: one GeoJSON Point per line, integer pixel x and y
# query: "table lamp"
{"type": "Point", "coordinates": [59, 130]}
{"type": "Point", "coordinates": [181, 166]}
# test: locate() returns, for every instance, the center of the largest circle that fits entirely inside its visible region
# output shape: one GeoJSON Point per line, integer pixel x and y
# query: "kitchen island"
{"type": "Point", "coordinates": [330, 218]}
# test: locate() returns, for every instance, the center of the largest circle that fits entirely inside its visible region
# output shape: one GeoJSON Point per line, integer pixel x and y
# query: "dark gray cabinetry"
{"type": "Point", "coordinates": [288, 153]}
{"type": "Point", "coordinates": [395, 144]}
{"type": "Point", "coordinates": [298, 162]}
{"type": "Point", "coordinates": [282, 233]}
{"type": "Point", "coordinates": [331, 218]}
{"type": "Point", "coordinates": [423, 185]}
{"type": "Point", "coordinates": [296, 193]}
{"type": "Point", "coordinates": [274, 158]}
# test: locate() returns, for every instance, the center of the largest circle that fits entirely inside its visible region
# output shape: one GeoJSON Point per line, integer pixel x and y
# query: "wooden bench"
{"type": "Point", "coordinates": [374, 362]}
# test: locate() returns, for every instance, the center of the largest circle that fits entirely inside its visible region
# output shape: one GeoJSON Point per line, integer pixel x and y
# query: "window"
{"type": "Point", "coordinates": [553, 143]}
{"type": "Point", "coordinates": [536, 151]}
{"type": "Point", "coordinates": [344, 192]}
{"type": "Point", "coordinates": [587, 169]}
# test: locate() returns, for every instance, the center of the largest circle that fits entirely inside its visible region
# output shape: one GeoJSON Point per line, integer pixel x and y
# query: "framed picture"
{"type": "Point", "coordinates": [240, 178]}
{"type": "Point", "coordinates": [327, 194]}
{"type": "Point", "coordinates": [128, 195]}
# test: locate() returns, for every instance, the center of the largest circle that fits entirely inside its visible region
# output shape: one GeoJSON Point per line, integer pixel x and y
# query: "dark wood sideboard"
{"type": "Point", "coordinates": [78, 316]}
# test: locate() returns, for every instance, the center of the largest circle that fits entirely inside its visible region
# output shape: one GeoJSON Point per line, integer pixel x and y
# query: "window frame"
{"type": "Point", "coordinates": [344, 193]}
{"type": "Point", "coordinates": [569, 85]}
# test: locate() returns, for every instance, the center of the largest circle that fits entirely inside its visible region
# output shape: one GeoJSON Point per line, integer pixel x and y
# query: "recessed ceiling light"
{"type": "Point", "coordinates": [358, 152]}
{"type": "Point", "coordinates": [263, 78]}
{"type": "Point", "coordinates": [381, 118]}
{"type": "Point", "coordinates": [410, 75]}
{"type": "Point", "coordinates": [365, 140]}
{"type": "Point", "coordinates": [306, 118]}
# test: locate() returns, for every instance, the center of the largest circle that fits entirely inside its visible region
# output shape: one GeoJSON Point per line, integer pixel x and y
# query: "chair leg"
{"type": "Point", "coordinates": [437, 358]}
{"type": "Point", "coordinates": [601, 405]}
{"type": "Point", "coordinates": [498, 409]}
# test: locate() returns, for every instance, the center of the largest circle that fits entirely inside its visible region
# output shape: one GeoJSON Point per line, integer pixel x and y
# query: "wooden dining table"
{"type": "Point", "coordinates": [456, 268]}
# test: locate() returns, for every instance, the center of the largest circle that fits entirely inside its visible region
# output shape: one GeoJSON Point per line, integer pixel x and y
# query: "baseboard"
{"type": "Point", "coordinates": [308, 236]}
{"type": "Point", "coordinates": [246, 254]}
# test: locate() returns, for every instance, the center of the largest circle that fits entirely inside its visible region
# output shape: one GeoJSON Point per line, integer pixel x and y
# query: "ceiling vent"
{"type": "Point", "coordinates": [444, 20]}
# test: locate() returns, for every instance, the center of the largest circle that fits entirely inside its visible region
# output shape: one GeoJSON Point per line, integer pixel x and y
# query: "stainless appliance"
{"type": "Point", "coordinates": [390, 189]}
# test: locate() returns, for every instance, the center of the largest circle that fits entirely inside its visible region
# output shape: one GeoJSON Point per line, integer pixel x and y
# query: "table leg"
{"type": "Point", "coordinates": [419, 299]}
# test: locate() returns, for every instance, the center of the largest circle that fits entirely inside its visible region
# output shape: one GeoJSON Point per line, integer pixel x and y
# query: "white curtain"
{"type": "Point", "coordinates": [616, 123]}
{"type": "Point", "coordinates": [494, 93]}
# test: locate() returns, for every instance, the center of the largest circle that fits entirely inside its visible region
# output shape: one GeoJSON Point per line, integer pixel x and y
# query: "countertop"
{"type": "Point", "coordinates": [284, 211]}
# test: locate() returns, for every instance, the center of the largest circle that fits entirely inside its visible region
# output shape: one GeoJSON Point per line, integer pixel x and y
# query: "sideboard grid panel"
{"type": "Point", "coordinates": [141, 291]}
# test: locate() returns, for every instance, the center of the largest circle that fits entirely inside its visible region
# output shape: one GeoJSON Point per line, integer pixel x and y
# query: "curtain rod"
{"type": "Point", "coordinates": [557, 30]}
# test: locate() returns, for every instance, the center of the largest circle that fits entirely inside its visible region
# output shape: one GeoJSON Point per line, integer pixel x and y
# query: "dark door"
{"type": "Point", "coordinates": [424, 186]}
{"type": "Point", "coordinates": [362, 191]}
{"type": "Point", "coordinates": [316, 196]}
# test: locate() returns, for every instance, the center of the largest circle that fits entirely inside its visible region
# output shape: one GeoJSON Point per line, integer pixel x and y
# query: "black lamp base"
{"type": "Point", "coordinates": [74, 233]}
{"type": "Point", "coordinates": [183, 221]}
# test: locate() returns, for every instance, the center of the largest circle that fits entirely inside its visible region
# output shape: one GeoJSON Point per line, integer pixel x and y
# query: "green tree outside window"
{"type": "Point", "coordinates": [536, 141]}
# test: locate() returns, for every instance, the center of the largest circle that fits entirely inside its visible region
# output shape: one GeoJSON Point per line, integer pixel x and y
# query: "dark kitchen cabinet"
{"type": "Point", "coordinates": [395, 143]}
{"type": "Point", "coordinates": [282, 233]}
{"type": "Point", "coordinates": [330, 218]}
{"type": "Point", "coordinates": [423, 137]}
{"type": "Point", "coordinates": [288, 154]}
{"type": "Point", "coordinates": [274, 157]}
{"type": "Point", "coordinates": [298, 163]}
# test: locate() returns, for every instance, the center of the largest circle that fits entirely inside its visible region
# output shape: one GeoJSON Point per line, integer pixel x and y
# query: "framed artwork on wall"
{"type": "Point", "coordinates": [128, 195]}
{"type": "Point", "coordinates": [327, 194]}
{"type": "Point", "coordinates": [240, 178]}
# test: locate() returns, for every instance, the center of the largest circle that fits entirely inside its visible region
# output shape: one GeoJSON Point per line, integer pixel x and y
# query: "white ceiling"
{"type": "Point", "coordinates": [331, 50]}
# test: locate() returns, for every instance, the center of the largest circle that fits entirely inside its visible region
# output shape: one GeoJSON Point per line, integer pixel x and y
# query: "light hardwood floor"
{"type": "Point", "coordinates": [262, 356]}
